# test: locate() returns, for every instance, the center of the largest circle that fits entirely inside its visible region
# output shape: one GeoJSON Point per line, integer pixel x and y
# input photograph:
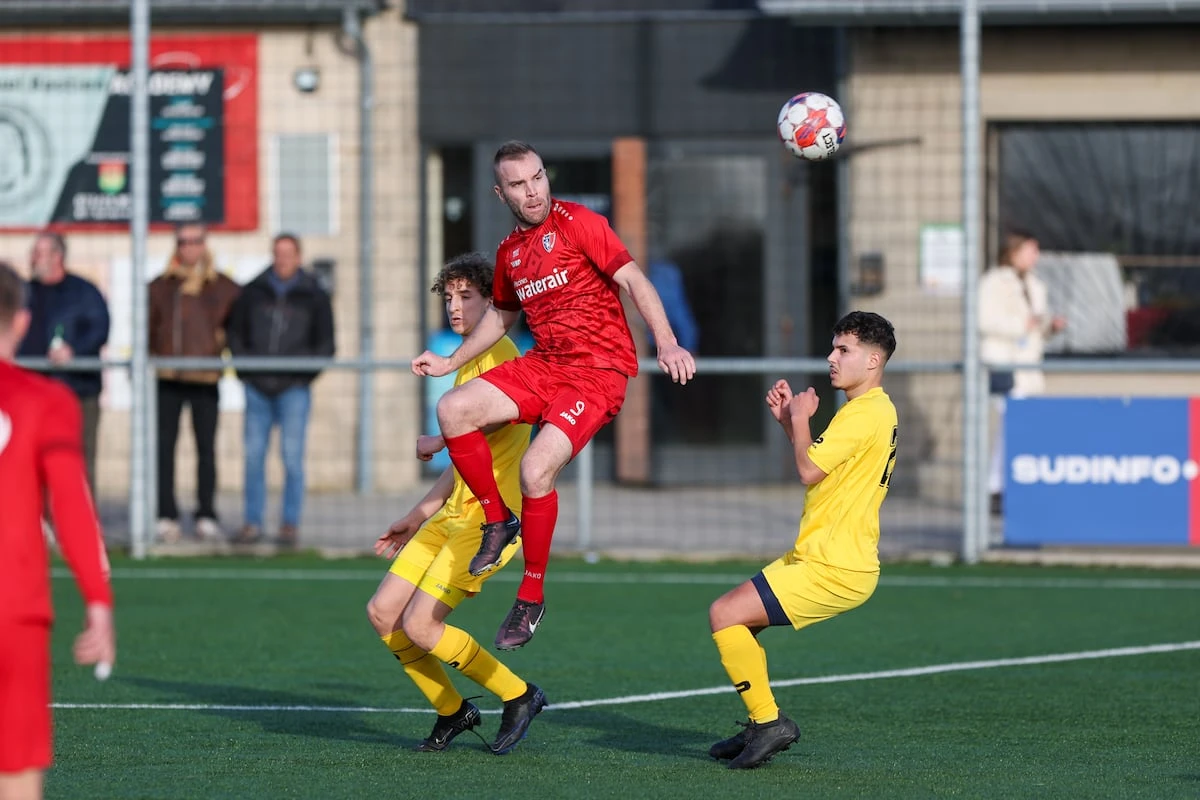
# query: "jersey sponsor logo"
{"type": "Point", "coordinates": [5, 430]}
{"type": "Point", "coordinates": [572, 414]}
{"type": "Point", "coordinates": [1094, 469]}
{"type": "Point", "coordinates": [548, 241]}
{"type": "Point", "coordinates": [529, 288]}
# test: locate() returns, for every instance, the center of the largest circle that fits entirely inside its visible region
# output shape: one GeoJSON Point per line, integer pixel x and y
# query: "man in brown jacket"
{"type": "Point", "coordinates": [189, 306]}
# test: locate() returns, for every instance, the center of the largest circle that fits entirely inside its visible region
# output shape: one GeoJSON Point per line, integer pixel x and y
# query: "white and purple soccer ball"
{"type": "Point", "coordinates": [811, 126]}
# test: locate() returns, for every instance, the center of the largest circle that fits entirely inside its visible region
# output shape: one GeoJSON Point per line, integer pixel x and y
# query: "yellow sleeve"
{"type": "Point", "coordinates": [501, 351]}
{"type": "Point", "coordinates": [848, 431]}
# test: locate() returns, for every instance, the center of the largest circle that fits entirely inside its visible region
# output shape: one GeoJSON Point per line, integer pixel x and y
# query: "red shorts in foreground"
{"type": "Point", "coordinates": [577, 400]}
{"type": "Point", "coordinates": [25, 734]}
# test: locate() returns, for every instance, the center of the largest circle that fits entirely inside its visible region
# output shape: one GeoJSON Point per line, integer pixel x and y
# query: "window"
{"type": "Point", "coordinates": [304, 183]}
{"type": "Point", "coordinates": [1120, 191]}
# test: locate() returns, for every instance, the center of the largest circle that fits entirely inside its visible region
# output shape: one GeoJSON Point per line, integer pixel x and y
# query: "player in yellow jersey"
{"type": "Point", "coordinates": [435, 542]}
{"type": "Point", "coordinates": [834, 565]}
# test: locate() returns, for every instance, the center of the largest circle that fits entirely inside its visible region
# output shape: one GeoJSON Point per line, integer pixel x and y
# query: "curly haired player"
{"type": "Point", "coordinates": [434, 543]}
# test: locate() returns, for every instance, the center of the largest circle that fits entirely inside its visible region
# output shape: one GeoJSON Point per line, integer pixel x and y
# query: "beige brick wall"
{"type": "Point", "coordinates": [334, 108]}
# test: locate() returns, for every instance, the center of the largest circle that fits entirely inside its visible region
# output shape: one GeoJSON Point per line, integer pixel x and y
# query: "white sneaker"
{"type": "Point", "coordinates": [168, 531]}
{"type": "Point", "coordinates": [207, 530]}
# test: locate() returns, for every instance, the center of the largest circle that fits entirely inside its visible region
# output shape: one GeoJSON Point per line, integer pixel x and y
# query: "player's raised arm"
{"type": "Point", "coordinates": [801, 409]}
{"type": "Point", "coordinates": [673, 359]}
{"type": "Point", "coordinates": [490, 329]}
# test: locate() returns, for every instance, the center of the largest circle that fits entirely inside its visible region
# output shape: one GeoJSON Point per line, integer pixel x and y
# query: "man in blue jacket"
{"type": "Point", "coordinates": [282, 312]}
{"type": "Point", "coordinates": [68, 320]}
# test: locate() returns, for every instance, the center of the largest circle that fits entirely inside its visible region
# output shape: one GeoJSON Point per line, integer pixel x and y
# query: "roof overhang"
{"type": "Point", "coordinates": [23, 13]}
{"type": "Point", "coordinates": [992, 12]}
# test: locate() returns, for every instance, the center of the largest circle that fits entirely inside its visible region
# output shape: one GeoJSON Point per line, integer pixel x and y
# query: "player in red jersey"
{"type": "Point", "coordinates": [565, 268]}
{"type": "Point", "coordinates": [41, 450]}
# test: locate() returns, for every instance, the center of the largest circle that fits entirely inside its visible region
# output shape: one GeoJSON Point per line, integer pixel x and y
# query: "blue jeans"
{"type": "Point", "coordinates": [288, 410]}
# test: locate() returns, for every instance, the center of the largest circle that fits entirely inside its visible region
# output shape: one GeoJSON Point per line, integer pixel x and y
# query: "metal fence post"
{"type": "Point", "coordinates": [352, 27]}
{"type": "Point", "coordinates": [139, 156]}
{"type": "Point", "coordinates": [973, 400]}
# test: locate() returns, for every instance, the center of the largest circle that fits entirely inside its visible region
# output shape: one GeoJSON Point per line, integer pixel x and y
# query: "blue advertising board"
{"type": "Point", "coordinates": [1102, 471]}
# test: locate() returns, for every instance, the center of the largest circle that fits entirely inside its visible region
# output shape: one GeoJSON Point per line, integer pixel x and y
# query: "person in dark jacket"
{"type": "Point", "coordinates": [282, 312]}
{"type": "Point", "coordinates": [189, 304]}
{"type": "Point", "coordinates": [69, 319]}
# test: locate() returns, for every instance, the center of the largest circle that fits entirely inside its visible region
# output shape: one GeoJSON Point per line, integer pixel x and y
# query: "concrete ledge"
{"type": "Point", "coordinates": [1165, 558]}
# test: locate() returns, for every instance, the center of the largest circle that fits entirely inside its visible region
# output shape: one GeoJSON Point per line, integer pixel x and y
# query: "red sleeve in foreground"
{"type": "Point", "coordinates": [75, 523]}
{"type": "Point", "coordinates": [504, 296]}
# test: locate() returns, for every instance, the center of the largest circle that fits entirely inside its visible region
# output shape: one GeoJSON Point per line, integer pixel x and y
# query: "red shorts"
{"type": "Point", "coordinates": [25, 733]}
{"type": "Point", "coordinates": [577, 400]}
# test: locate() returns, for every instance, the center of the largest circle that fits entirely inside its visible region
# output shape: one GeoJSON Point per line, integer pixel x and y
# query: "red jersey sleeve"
{"type": "Point", "coordinates": [599, 242]}
{"type": "Point", "coordinates": [60, 459]}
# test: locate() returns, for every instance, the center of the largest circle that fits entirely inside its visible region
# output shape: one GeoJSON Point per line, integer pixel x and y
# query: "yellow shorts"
{"type": "Point", "coordinates": [803, 592]}
{"type": "Point", "coordinates": [437, 558]}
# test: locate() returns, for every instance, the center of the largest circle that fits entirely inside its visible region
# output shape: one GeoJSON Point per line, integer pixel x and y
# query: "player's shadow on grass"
{"type": "Point", "coordinates": [350, 726]}
{"type": "Point", "coordinates": [617, 731]}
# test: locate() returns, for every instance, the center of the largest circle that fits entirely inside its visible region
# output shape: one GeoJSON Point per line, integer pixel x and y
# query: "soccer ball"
{"type": "Point", "coordinates": [811, 126]}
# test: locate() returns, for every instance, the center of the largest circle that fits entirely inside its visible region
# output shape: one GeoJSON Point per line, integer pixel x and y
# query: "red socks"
{"type": "Point", "coordinates": [473, 459]}
{"type": "Point", "coordinates": [538, 517]}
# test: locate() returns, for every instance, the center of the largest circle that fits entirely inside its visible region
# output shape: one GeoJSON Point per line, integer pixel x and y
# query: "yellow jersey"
{"type": "Point", "coordinates": [508, 444]}
{"type": "Point", "coordinates": [840, 525]}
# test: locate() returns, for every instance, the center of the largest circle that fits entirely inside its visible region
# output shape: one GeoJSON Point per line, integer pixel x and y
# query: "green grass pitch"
{"type": "Point", "coordinates": [219, 661]}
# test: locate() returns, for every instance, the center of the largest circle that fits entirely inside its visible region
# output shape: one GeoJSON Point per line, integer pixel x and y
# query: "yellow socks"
{"type": "Point", "coordinates": [426, 672]}
{"type": "Point", "coordinates": [459, 650]}
{"type": "Point", "coordinates": [746, 663]}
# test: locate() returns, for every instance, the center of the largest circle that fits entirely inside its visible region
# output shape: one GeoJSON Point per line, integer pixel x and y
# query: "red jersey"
{"type": "Point", "coordinates": [41, 450]}
{"type": "Point", "coordinates": [561, 275]}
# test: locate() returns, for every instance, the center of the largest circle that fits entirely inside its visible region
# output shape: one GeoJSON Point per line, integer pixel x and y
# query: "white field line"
{"type": "Point", "coordinates": [648, 578]}
{"type": "Point", "coordinates": [634, 699]}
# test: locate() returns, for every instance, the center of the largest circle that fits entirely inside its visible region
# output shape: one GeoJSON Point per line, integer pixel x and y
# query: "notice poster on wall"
{"type": "Point", "coordinates": [65, 135]}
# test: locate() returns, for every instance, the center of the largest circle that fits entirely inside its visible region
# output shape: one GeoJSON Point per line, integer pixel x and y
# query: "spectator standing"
{"type": "Point", "coordinates": [68, 320]}
{"type": "Point", "coordinates": [190, 305]}
{"type": "Point", "coordinates": [284, 312]}
{"type": "Point", "coordinates": [1014, 323]}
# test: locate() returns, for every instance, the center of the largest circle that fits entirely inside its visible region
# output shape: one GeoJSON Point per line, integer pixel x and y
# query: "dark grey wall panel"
{"type": "Point", "coordinates": [698, 79]}
{"type": "Point", "coordinates": [731, 79]}
{"type": "Point", "coordinates": [532, 81]}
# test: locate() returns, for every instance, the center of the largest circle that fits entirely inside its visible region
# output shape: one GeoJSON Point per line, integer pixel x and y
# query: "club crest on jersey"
{"type": "Point", "coordinates": [548, 241]}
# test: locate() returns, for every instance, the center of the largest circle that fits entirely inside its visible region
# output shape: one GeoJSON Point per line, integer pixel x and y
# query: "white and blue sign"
{"type": "Point", "coordinates": [1102, 471]}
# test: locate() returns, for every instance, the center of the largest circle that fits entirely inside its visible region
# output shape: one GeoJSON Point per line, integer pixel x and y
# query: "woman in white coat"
{"type": "Point", "coordinates": [1014, 322]}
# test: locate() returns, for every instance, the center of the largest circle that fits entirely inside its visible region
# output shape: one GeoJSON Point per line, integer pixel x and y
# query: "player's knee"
{"type": "Point", "coordinates": [718, 617]}
{"type": "Point", "coordinates": [456, 412]}
{"type": "Point", "coordinates": [537, 477]}
{"type": "Point", "coordinates": [419, 629]}
{"type": "Point", "coordinates": [382, 617]}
